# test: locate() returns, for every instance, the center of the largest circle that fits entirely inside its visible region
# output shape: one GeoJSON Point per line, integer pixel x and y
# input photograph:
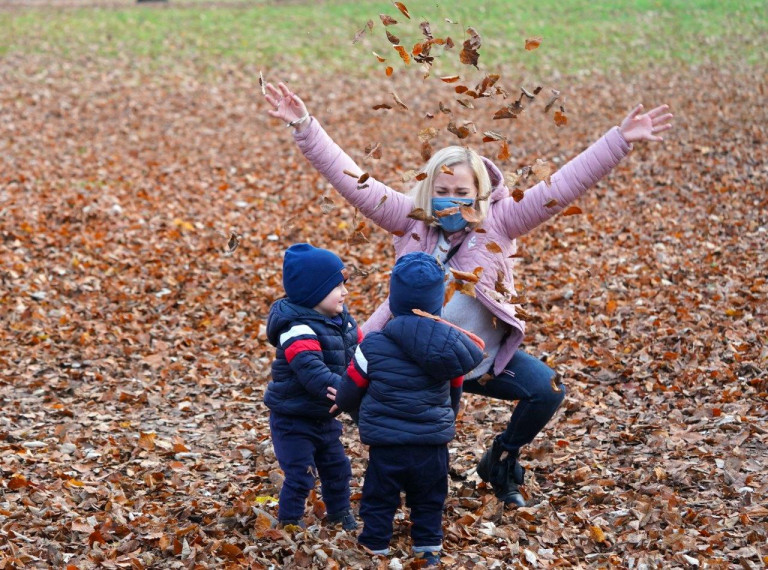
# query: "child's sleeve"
{"type": "Point", "coordinates": [305, 357]}
{"type": "Point", "coordinates": [354, 383]}
{"type": "Point", "coordinates": [457, 387]}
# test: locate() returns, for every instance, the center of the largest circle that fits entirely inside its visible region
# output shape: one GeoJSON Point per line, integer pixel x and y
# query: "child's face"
{"type": "Point", "coordinates": [333, 304]}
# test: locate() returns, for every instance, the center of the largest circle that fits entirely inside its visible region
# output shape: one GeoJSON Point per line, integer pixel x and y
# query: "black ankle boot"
{"type": "Point", "coordinates": [504, 475]}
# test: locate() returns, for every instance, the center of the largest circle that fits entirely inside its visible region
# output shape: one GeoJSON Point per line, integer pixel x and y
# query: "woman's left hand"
{"type": "Point", "coordinates": [646, 126]}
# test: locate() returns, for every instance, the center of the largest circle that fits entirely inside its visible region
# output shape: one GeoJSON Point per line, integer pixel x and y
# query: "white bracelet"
{"type": "Point", "coordinates": [298, 121]}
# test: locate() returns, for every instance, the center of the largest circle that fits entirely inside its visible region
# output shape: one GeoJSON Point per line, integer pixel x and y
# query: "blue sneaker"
{"type": "Point", "coordinates": [346, 519]}
{"type": "Point", "coordinates": [427, 559]}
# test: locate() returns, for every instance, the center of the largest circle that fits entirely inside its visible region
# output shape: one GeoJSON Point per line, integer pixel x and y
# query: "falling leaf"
{"type": "Point", "coordinates": [361, 33]}
{"type": "Point", "coordinates": [404, 55]}
{"type": "Point", "coordinates": [532, 43]}
{"type": "Point", "coordinates": [493, 247]}
{"type": "Point", "coordinates": [420, 215]}
{"type": "Point", "coordinates": [542, 170]}
{"type": "Point", "coordinates": [389, 71]}
{"type": "Point", "coordinates": [490, 136]}
{"type": "Point", "coordinates": [373, 151]}
{"type": "Point", "coordinates": [400, 6]}
{"type": "Point", "coordinates": [399, 102]}
{"type": "Point", "coordinates": [551, 203]}
{"type": "Point", "coordinates": [464, 275]}
{"type": "Point", "coordinates": [446, 170]}
{"type": "Point", "coordinates": [383, 199]}
{"type": "Point", "coordinates": [351, 174]}
{"type": "Point", "coordinates": [571, 211]}
{"type": "Point", "coordinates": [461, 132]}
{"type": "Point", "coordinates": [552, 100]}
{"type": "Point", "coordinates": [261, 84]}
{"type": "Point", "coordinates": [470, 214]}
{"type": "Point", "coordinates": [381, 106]}
{"type": "Point", "coordinates": [469, 54]}
{"type": "Point", "coordinates": [387, 20]}
{"type": "Point", "coordinates": [427, 134]}
{"type": "Point", "coordinates": [450, 78]}
{"type": "Point", "coordinates": [381, 58]}
{"type": "Point", "coordinates": [504, 153]}
{"type": "Point", "coordinates": [393, 39]}
{"type": "Point", "coordinates": [560, 118]}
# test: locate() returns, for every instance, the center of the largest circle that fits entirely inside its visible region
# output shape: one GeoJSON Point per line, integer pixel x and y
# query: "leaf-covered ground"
{"type": "Point", "coordinates": [133, 360]}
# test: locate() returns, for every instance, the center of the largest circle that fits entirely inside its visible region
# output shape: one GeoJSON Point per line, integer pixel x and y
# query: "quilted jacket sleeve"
{"type": "Point", "coordinates": [384, 206]}
{"type": "Point", "coordinates": [305, 357]}
{"type": "Point", "coordinates": [567, 184]}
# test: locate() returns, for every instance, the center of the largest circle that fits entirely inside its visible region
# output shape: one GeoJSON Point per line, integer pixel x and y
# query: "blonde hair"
{"type": "Point", "coordinates": [451, 156]}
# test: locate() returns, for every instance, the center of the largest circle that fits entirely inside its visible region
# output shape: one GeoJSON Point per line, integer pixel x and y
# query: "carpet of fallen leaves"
{"type": "Point", "coordinates": [132, 351]}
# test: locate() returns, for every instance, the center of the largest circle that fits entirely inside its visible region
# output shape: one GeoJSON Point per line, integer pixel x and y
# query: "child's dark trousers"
{"type": "Point", "coordinates": [307, 448]}
{"type": "Point", "coordinates": [419, 470]}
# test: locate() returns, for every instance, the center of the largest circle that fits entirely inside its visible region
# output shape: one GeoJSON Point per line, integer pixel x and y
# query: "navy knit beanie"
{"type": "Point", "coordinates": [310, 273]}
{"type": "Point", "coordinates": [417, 282]}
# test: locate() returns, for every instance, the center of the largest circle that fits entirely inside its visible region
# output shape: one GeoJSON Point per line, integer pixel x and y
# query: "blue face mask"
{"type": "Point", "coordinates": [454, 222]}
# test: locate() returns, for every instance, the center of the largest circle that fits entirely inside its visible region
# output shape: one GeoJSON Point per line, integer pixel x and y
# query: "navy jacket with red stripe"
{"type": "Point", "coordinates": [312, 353]}
{"type": "Point", "coordinates": [402, 379]}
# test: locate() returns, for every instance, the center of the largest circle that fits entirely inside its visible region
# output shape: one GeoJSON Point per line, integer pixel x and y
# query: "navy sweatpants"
{"type": "Point", "coordinates": [419, 470]}
{"type": "Point", "coordinates": [305, 447]}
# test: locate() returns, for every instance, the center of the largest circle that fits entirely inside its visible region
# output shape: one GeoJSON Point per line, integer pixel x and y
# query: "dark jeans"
{"type": "Point", "coordinates": [529, 381]}
{"type": "Point", "coordinates": [303, 447]}
{"type": "Point", "coordinates": [419, 470]}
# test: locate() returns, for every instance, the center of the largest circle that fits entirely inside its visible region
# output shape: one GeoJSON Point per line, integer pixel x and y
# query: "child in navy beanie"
{"type": "Point", "coordinates": [405, 383]}
{"type": "Point", "coordinates": [315, 338]}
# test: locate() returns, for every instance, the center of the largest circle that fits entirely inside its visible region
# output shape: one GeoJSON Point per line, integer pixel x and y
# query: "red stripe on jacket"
{"type": "Point", "coordinates": [355, 376]}
{"type": "Point", "coordinates": [301, 346]}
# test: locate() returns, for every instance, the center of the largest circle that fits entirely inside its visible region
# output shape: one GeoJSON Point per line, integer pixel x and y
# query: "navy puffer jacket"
{"type": "Point", "coordinates": [401, 378]}
{"type": "Point", "coordinates": [312, 353]}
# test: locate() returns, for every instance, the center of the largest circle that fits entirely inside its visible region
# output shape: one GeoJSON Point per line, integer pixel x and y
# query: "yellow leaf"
{"type": "Point", "coordinates": [179, 223]}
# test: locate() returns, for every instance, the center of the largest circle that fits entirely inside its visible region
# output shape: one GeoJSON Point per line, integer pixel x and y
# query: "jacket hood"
{"type": "Point", "coordinates": [419, 336]}
{"type": "Point", "coordinates": [499, 189]}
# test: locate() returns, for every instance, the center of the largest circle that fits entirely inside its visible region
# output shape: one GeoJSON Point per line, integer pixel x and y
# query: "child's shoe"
{"type": "Point", "coordinates": [345, 518]}
{"type": "Point", "coordinates": [427, 559]}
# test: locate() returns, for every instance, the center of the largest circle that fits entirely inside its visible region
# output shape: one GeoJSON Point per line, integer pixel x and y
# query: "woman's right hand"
{"type": "Point", "coordinates": [286, 106]}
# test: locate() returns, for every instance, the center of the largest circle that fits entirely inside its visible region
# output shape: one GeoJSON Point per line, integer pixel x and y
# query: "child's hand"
{"type": "Point", "coordinates": [636, 127]}
{"type": "Point", "coordinates": [331, 395]}
{"type": "Point", "coordinates": [287, 106]}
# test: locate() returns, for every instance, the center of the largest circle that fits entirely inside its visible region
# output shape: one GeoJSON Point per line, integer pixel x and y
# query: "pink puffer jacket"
{"type": "Point", "coordinates": [506, 219]}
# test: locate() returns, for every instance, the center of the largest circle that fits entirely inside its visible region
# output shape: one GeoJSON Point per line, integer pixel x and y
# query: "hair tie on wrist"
{"type": "Point", "coordinates": [298, 121]}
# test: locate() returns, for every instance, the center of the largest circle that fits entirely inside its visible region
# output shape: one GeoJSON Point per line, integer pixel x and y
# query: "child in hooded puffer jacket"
{"type": "Point", "coordinates": [315, 337]}
{"type": "Point", "coordinates": [405, 380]}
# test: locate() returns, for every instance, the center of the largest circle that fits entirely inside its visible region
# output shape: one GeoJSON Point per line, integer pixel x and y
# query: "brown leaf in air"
{"type": "Point", "coordinates": [404, 55]}
{"type": "Point", "coordinates": [399, 102]}
{"type": "Point", "coordinates": [446, 170]}
{"type": "Point", "coordinates": [504, 153]}
{"type": "Point", "coordinates": [560, 118]}
{"type": "Point", "coordinates": [533, 43]}
{"type": "Point", "coordinates": [387, 20]}
{"type": "Point", "coordinates": [571, 211]}
{"type": "Point", "coordinates": [373, 151]}
{"type": "Point", "coordinates": [450, 78]}
{"type": "Point", "coordinates": [552, 100]}
{"type": "Point", "coordinates": [381, 59]}
{"type": "Point", "coordinates": [493, 247]}
{"type": "Point", "coordinates": [542, 170]}
{"type": "Point", "coordinates": [470, 214]}
{"type": "Point", "coordinates": [400, 6]}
